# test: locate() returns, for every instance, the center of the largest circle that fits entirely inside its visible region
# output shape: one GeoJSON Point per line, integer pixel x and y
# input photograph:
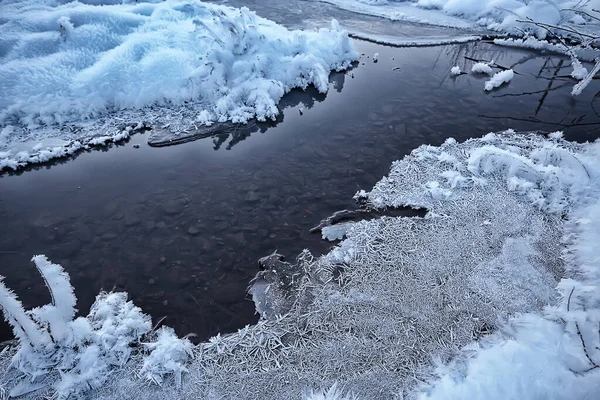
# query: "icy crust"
{"type": "Point", "coordinates": [72, 71]}
{"type": "Point", "coordinates": [45, 148]}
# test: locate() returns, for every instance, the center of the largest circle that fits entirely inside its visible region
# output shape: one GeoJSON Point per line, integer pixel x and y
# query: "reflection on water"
{"type": "Point", "coordinates": [233, 133]}
{"type": "Point", "coordinates": [181, 227]}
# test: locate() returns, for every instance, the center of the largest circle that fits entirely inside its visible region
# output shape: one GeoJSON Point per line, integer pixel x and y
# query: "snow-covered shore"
{"type": "Point", "coordinates": [497, 287]}
{"type": "Point", "coordinates": [74, 74]}
{"type": "Point", "coordinates": [508, 17]}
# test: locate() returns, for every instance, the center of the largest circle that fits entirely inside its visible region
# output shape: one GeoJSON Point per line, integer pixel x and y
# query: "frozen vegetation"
{"type": "Point", "coordinates": [75, 74]}
{"type": "Point", "coordinates": [68, 356]}
{"type": "Point", "coordinates": [493, 295]}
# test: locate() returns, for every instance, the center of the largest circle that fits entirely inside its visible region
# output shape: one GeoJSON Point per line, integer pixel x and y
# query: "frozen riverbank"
{"type": "Point", "coordinates": [194, 219]}
{"type": "Point", "coordinates": [136, 218]}
{"type": "Point", "coordinates": [486, 259]}
{"type": "Point", "coordinates": [74, 75]}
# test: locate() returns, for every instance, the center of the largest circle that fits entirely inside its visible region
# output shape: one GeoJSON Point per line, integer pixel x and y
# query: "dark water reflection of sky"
{"type": "Point", "coordinates": [181, 228]}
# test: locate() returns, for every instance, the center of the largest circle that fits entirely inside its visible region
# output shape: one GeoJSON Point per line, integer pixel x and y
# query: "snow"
{"type": "Point", "coordinates": [168, 354]}
{"type": "Point", "coordinates": [455, 70]}
{"type": "Point", "coordinates": [505, 16]}
{"type": "Point", "coordinates": [584, 54]}
{"type": "Point", "coordinates": [577, 89]}
{"type": "Point", "coordinates": [579, 71]}
{"type": "Point", "coordinates": [83, 72]}
{"type": "Point", "coordinates": [530, 43]}
{"type": "Point", "coordinates": [67, 357]}
{"type": "Point", "coordinates": [499, 79]}
{"type": "Point", "coordinates": [397, 41]}
{"type": "Point", "coordinates": [490, 296]}
{"type": "Point", "coordinates": [559, 350]}
{"type": "Point", "coordinates": [403, 11]}
{"type": "Point", "coordinates": [482, 68]}
{"type": "Point", "coordinates": [335, 232]}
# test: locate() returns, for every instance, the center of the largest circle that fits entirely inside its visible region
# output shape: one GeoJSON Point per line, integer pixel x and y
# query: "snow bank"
{"type": "Point", "coordinates": [75, 70]}
{"type": "Point", "coordinates": [471, 288]}
{"type": "Point", "coordinates": [499, 79]}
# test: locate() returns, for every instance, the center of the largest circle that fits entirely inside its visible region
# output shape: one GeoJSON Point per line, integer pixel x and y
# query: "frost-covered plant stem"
{"type": "Point", "coordinates": [68, 356]}
{"type": "Point", "coordinates": [577, 89]}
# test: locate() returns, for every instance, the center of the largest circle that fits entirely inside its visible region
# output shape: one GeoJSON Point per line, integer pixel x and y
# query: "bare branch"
{"type": "Point", "coordinates": [569, 300]}
{"type": "Point", "coordinates": [587, 355]}
{"type": "Point", "coordinates": [566, 29]}
{"type": "Point", "coordinates": [581, 12]}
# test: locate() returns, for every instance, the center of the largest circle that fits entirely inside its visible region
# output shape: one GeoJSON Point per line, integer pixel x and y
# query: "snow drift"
{"type": "Point", "coordinates": [73, 70]}
{"type": "Point", "coordinates": [497, 286]}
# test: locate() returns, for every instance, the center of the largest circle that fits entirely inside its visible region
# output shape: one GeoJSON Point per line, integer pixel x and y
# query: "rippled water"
{"type": "Point", "coordinates": [181, 228]}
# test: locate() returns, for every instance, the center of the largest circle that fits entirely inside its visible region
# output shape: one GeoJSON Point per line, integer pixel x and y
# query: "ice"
{"type": "Point", "coordinates": [84, 72]}
{"type": "Point", "coordinates": [413, 41]}
{"type": "Point", "coordinates": [499, 79]}
{"type": "Point", "coordinates": [333, 393]}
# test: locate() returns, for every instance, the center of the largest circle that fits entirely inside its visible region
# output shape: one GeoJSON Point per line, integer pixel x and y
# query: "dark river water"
{"type": "Point", "coordinates": [181, 228]}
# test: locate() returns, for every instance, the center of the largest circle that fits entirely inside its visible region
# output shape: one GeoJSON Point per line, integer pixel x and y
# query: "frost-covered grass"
{"type": "Point", "coordinates": [72, 71]}
{"type": "Point", "coordinates": [66, 357]}
{"type": "Point", "coordinates": [493, 295]}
